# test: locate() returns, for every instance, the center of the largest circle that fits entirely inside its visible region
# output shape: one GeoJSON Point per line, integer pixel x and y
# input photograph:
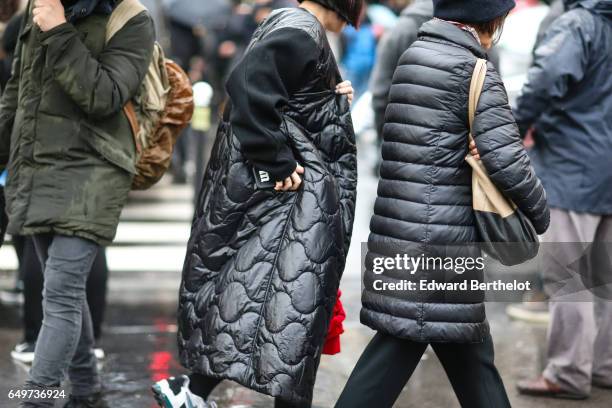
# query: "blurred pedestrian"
{"type": "Point", "coordinates": [71, 167]}
{"type": "Point", "coordinates": [424, 207]}
{"type": "Point", "coordinates": [158, 14]}
{"type": "Point", "coordinates": [567, 106]}
{"type": "Point", "coordinates": [381, 15]}
{"type": "Point", "coordinates": [8, 41]}
{"type": "Point", "coordinates": [390, 48]}
{"type": "Point", "coordinates": [274, 219]}
{"type": "Point", "coordinates": [193, 27]}
{"type": "Point", "coordinates": [10, 22]}
{"type": "Point", "coordinates": [534, 307]}
{"type": "Point", "coordinates": [557, 7]}
{"type": "Point", "coordinates": [359, 54]}
{"type": "Point", "coordinates": [8, 8]}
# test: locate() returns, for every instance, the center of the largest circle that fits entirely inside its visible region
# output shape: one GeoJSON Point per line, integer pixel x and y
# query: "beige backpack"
{"type": "Point", "coordinates": [160, 111]}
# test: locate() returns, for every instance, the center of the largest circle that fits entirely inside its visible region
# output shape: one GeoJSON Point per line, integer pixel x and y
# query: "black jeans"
{"type": "Point", "coordinates": [32, 275]}
{"type": "Point", "coordinates": [388, 362]}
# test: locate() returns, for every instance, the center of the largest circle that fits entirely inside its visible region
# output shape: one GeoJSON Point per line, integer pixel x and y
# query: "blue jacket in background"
{"type": "Point", "coordinates": [568, 98]}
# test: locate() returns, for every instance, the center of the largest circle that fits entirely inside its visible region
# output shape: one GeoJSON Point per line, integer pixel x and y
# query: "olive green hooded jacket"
{"type": "Point", "coordinates": [63, 135]}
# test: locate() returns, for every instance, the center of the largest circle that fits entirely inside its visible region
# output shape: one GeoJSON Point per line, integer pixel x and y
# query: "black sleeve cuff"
{"type": "Point", "coordinates": [283, 167]}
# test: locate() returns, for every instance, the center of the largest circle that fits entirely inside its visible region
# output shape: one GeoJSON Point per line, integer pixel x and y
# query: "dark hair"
{"type": "Point", "coordinates": [493, 27]}
{"type": "Point", "coordinates": [348, 10]}
{"type": "Point", "coordinates": [8, 8]}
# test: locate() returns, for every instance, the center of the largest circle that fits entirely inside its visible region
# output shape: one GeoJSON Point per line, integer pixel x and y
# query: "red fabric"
{"type": "Point", "coordinates": [332, 342]}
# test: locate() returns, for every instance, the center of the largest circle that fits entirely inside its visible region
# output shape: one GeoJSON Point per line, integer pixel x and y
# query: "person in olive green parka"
{"type": "Point", "coordinates": [67, 144]}
{"type": "Point", "coordinates": [70, 155]}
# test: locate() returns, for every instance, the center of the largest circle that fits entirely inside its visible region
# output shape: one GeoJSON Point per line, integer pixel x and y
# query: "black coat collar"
{"type": "Point", "coordinates": [443, 30]}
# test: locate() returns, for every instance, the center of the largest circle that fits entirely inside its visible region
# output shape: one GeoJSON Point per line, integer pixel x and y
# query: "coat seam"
{"type": "Point", "coordinates": [271, 275]}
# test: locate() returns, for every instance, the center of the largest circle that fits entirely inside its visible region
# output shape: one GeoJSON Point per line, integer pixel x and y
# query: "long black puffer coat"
{"type": "Point", "coordinates": [424, 194]}
{"type": "Point", "coordinates": [263, 267]}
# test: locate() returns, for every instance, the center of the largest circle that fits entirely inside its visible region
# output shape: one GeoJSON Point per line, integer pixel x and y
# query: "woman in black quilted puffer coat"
{"type": "Point", "coordinates": [424, 208]}
{"type": "Point", "coordinates": [263, 267]}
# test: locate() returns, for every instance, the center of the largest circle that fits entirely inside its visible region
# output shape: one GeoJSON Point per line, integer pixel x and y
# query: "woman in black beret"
{"type": "Point", "coordinates": [424, 207]}
{"type": "Point", "coordinates": [273, 222]}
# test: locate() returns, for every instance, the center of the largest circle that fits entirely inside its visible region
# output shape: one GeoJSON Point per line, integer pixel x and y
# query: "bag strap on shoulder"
{"type": "Point", "coordinates": [124, 12]}
{"type": "Point", "coordinates": [478, 79]}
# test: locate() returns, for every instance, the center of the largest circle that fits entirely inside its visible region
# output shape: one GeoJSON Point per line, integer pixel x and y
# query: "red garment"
{"type": "Point", "coordinates": [332, 342]}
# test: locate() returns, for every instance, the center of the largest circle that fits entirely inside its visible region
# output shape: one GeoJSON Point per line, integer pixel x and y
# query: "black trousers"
{"type": "Point", "coordinates": [33, 281]}
{"type": "Point", "coordinates": [388, 362]}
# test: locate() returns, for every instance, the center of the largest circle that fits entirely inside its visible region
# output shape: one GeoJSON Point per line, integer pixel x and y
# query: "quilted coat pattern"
{"type": "Point", "coordinates": [424, 195]}
{"type": "Point", "coordinates": [263, 268]}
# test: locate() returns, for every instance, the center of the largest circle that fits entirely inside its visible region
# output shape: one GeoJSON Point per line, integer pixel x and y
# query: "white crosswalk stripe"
{"type": "Point", "coordinates": [149, 249]}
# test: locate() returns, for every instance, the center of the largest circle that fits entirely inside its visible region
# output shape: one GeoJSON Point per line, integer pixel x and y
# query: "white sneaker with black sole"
{"type": "Point", "coordinates": [24, 353]}
{"type": "Point", "coordinates": [174, 392]}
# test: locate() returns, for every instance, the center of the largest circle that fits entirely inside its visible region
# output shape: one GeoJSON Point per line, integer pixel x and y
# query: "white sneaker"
{"type": "Point", "coordinates": [24, 353]}
{"type": "Point", "coordinates": [99, 353]}
{"type": "Point", "coordinates": [174, 393]}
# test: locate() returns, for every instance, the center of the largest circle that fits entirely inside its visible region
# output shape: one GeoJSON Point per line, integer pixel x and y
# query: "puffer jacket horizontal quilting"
{"type": "Point", "coordinates": [424, 194]}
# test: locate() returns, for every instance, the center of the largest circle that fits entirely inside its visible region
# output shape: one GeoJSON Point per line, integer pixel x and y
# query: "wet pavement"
{"type": "Point", "coordinates": [140, 330]}
{"type": "Point", "coordinates": [140, 343]}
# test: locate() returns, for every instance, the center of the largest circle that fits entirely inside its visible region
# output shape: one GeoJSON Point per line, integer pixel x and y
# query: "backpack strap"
{"type": "Point", "coordinates": [124, 12]}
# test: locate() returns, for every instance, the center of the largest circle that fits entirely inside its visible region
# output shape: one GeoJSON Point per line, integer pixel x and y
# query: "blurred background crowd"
{"type": "Point", "coordinates": [207, 38]}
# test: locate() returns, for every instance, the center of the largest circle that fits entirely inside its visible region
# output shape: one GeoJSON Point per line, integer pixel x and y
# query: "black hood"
{"type": "Point", "coordinates": [77, 9]}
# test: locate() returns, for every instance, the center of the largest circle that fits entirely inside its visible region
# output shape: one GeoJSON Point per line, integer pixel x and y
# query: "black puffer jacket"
{"type": "Point", "coordinates": [424, 195]}
{"type": "Point", "coordinates": [263, 268]}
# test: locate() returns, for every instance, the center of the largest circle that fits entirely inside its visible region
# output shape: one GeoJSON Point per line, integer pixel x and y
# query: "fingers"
{"type": "Point", "coordinates": [346, 88]}
{"type": "Point", "coordinates": [297, 181]}
{"type": "Point", "coordinates": [288, 185]}
{"type": "Point", "coordinates": [474, 150]}
{"type": "Point", "coordinates": [284, 185]}
{"type": "Point", "coordinates": [43, 3]}
{"type": "Point", "coordinates": [43, 10]}
{"type": "Point", "coordinates": [291, 183]}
